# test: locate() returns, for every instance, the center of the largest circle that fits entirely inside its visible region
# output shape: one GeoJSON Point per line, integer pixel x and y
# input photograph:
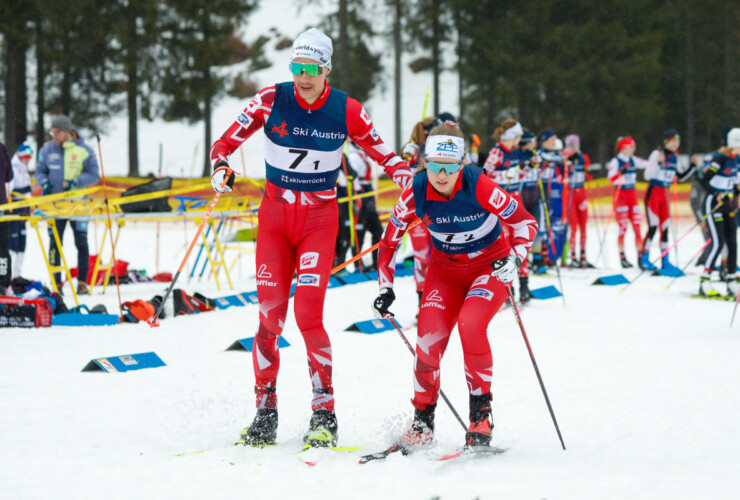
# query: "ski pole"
{"type": "Point", "coordinates": [608, 221]}
{"type": "Point", "coordinates": [365, 252]}
{"type": "Point", "coordinates": [552, 239]}
{"type": "Point", "coordinates": [534, 362]}
{"type": "Point", "coordinates": [441, 392]}
{"type": "Point", "coordinates": [110, 230]}
{"type": "Point", "coordinates": [154, 320]}
{"type": "Point", "coordinates": [683, 270]}
{"type": "Point", "coordinates": [350, 203]}
{"type": "Point", "coordinates": [675, 211]}
{"type": "Point", "coordinates": [734, 310]}
{"type": "Point", "coordinates": [665, 252]}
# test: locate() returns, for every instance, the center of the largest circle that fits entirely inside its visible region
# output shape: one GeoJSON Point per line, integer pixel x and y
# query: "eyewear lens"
{"type": "Point", "coordinates": [449, 168]}
{"type": "Point", "coordinates": [309, 69]}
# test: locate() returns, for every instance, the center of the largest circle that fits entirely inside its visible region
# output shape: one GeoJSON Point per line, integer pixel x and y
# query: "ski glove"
{"type": "Point", "coordinates": [505, 269]}
{"type": "Point", "coordinates": [217, 179]}
{"type": "Point", "coordinates": [382, 302]}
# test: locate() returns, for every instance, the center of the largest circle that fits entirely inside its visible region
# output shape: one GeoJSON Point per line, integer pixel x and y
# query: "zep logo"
{"type": "Point", "coordinates": [309, 260]}
{"type": "Point", "coordinates": [447, 147]}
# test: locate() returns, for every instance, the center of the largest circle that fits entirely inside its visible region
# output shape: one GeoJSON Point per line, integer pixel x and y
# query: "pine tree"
{"type": "Point", "coordinates": [195, 39]}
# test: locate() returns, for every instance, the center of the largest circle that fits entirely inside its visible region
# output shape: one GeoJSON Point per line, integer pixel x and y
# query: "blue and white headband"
{"type": "Point", "coordinates": [444, 146]}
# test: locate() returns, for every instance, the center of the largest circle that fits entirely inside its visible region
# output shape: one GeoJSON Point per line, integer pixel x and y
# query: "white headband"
{"type": "Point", "coordinates": [444, 146]}
{"type": "Point", "coordinates": [512, 132]}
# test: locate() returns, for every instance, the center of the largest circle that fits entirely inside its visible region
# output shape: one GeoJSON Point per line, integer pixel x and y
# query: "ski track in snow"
{"type": "Point", "coordinates": [643, 384]}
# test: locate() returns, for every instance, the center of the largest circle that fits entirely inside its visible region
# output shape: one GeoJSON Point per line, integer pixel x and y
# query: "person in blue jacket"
{"type": "Point", "coordinates": [66, 163]}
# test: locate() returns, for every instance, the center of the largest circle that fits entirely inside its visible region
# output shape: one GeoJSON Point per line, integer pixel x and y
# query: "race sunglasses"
{"type": "Point", "coordinates": [449, 168]}
{"type": "Point", "coordinates": [310, 69]}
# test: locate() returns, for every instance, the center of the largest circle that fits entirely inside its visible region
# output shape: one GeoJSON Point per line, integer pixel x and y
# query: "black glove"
{"type": "Point", "coordinates": [382, 302]}
{"type": "Point", "coordinates": [505, 269]}
{"type": "Point", "coordinates": [221, 172]}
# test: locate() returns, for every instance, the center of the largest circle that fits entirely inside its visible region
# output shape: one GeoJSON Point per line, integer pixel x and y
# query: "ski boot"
{"type": "Point", "coordinates": [263, 430]}
{"type": "Point", "coordinates": [421, 432]}
{"type": "Point", "coordinates": [732, 286]}
{"type": "Point", "coordinates": [524, 294]}
{"type": "Point", "coordinates": [669, 269]}
{"type": "Point", "coordinates": [584, 263]}
{"type": "Point", "coordinates": [574, 264]}
{"type": "Point", "coordinates": [322, 430]}
{"type": "Point", "coordinates": [479, 432]}
{"type": "Point", "coordinates": [644, 262]}
{"type": "Point", "coordinates": [623, 260]}
{"type": "Point", "coordinates": [705, 287]}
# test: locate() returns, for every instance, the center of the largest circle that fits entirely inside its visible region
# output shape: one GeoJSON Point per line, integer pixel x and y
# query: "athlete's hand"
{"type": "Point", "coordinates": [505, 269]}
{"type": "Point", "coordinates": [402, 178]}
{"type": "Point", "coordinates": [217, 179]}
{"type": "Point", "coordinates": [513, 173]}
{"type": "Point", "coordinates": [382, 302]}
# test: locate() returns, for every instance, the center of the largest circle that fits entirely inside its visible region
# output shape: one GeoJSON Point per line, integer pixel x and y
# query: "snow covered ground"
{"type": "Point", "coordinates": [643, 384]}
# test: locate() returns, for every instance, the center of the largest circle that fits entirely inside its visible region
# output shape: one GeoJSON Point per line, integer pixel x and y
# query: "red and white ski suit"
{"type": "Point", "coordinates": [459, 287]}
{"type": "Point", "coordinates": [297, 225]}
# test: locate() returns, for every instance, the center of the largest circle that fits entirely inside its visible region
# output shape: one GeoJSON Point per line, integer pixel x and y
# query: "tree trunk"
{"type": "Point", "coordinates": [16, 125]}
{"type": "Point", "coordinates": [207, 119]}
{"type": "Point", "coordinates": [397, 51]}
{"type": "Point", "coordinates": [40, 85]}
{"type": "Point", "coordinates": [689, 79]}
{"type": "Point", "coordinates": [344, 79]}
{"type": "Point", "coordinates": [132, 94]}
{"type": "Point", "coordinates": [461, 81]}
{"type": "Point", "coordinates": [66, 92]}
{"type": "Point", "coordinates": [435, 62]}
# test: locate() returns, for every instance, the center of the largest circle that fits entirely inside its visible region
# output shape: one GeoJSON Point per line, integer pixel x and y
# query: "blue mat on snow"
{"type": "Point", "coordinates": [372, 326]}
{"type": "Point", "coordinates": [547, 292]}
{"type": "Point", "coordinates": [613, 280]}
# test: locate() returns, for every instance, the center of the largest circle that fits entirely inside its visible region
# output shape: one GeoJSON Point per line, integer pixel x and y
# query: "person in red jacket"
{"type": "Point", "coordinates": [472, 263]}
{"type": "Point", "coordinates": [577, 209]}
{"type": "Point", "coordinates": [623, 174]}
{"type": "Point", "coordinates": [306, 123]}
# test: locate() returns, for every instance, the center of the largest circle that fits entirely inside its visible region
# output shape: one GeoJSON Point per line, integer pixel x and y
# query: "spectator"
{"type": "Point", "coordinates": [6, 174]}
{"type": "Point", "coordinates": [20, 184]}
{"type": "Point", "coordinates": [67, 163]}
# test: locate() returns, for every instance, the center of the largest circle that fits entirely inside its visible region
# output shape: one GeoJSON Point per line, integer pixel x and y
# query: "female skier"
{"type": "Point", "coordinates": [472, 264]}
{"type": "Point", "coordinates": [662, 168]}
{"type": "Point", "coordinates": [505, 164]}
{"type": "Point", "coordinates": [306, 123]}
{"type": "Point", "coordinates": [623, 174]}
{"type": "Point", "coordinates": [577, 209]}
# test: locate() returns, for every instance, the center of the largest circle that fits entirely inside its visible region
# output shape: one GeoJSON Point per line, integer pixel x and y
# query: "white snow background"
{"type": "Point", "coordinates": [644, 383]}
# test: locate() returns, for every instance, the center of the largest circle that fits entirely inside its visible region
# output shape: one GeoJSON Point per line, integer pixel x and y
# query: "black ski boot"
{"type": "Point", "coordinates": [623, 260]}
{"type": "Point", "coordinates": [479, 432]}
{"type": "Point", "coordinates": [574, 264]}
{"type": "Point", "coordinates": [322, 430]}
{"type": "Point", "coordinates": [421, 432]}
{"type": "Point", "coordinates": [263, 430]}
{"type": "Point", "coordinates": [524, 294]}
{"type": "Point", "coordinates": [584, 263]}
